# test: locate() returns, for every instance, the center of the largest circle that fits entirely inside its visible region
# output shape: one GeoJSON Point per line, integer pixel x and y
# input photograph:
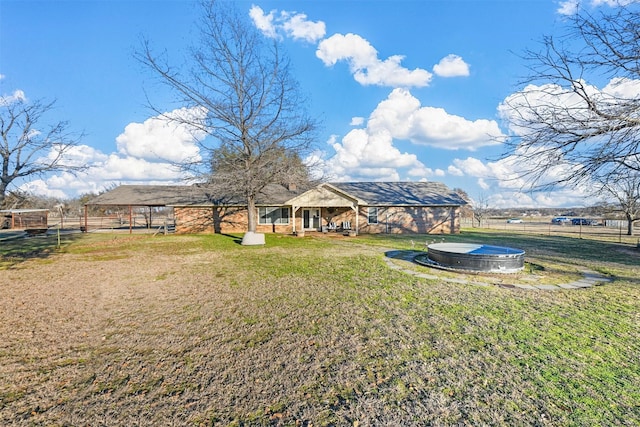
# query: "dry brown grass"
{"type": "Point", "coordinates": [200, 331]}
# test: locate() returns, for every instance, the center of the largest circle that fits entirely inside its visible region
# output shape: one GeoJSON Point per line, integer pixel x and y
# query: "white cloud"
{"type": "Point", "coordinates": [621, 87]}
{"type": "Point", "coordinates": [502, 174]}
{"type": "Point", "coordinates": [299, 28]}
{"type": "Point", "coordinates": [103, 171]}
{"type": "Point", "coordinates": [373, 149]}
{"type": "Point", "coordinates": [483, 184]}
{"type": "Point", "coordinates": [455, 171]}
{"type": "Point", "coordinates": [451, 66]}
{"type": "Point", "coordinates": [147, 152]}
{"type": "Point", "coordinates": [506, 187]}
{"type": "Point", "coordinates": [511, 200]}
{"type": "Point", "coordinates": [612, 3]}
{"type": "Point", "coordinates": [292, 24]}
{"type": "Point", "coordinates": [554, 103]}
{"type": "Point", "coordinates": [364, 156]}
{"type": "Point", "coordinates": [520, 108]}
{"type": "Point", "coordinates": [568, 7]}
{"type": "Point", "coordinates": [551, 103]}
{"type": "Point", "coordinates": [160, 138]}
{"type": "Point", "coordinates": [557, 198]}
{"type": "Point", "coordinates": [76, 156]}
{"type": "Point", "coordinates": [422, 172]}
{"type": "Point", "coordinates": [472, 166]}
{"type": "Point", "coordinates": [401, 117]}
{"type": "Point", "coordinates": [571, 7]}
{"type": "Point", "coordinates": [366, 67]}
{"type": "Point", "coordinates": [17, 96]}
{"type": "Point", "coordinates": [364, 64]}
{"type": "Point", "coordinates": [39, 187]}
{"type": "Point", "coordinates": [356, 121]}
{"type": "Point", "coordinates": [262, 21]}
{"type": "Point", "coordinates": [130, 169]}
{"type": "Point", "coordinates": [402, 114]}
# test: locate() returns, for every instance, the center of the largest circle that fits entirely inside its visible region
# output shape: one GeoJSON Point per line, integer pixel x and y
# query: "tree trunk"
{"type": "Point", "coordinates": [3, 193]}
{"type": "Point", "coordinates": [630, 219]}
{"type": "Point", "coordinates": [251, 213]}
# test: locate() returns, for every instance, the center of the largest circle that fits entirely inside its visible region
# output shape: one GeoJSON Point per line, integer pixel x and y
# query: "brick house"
{"type": "Point", "coordinates": [379, 207]}
{"type": "Point", "coordinates": [356, 207]}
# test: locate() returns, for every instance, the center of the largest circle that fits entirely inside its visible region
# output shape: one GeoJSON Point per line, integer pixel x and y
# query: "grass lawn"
{"type": "Point", "coordinates": [120, 330]}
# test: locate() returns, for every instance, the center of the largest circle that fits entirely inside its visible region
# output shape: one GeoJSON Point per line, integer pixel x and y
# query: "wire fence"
{"type": "Point", "coordinates": [137, 224]}
{"type": "Point", "coordinates": [611, 230]}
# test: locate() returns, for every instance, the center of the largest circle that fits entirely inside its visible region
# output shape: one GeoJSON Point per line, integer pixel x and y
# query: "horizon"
{"type": "Point", "coordinates": [408, 91]}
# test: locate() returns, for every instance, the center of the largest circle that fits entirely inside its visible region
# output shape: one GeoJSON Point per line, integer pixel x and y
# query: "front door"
{"type": "Point", "coordinates": [311, 219]}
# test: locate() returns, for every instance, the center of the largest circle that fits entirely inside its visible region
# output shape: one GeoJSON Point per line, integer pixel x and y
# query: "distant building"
{"type": "Point", "coordinates": [23, 218]}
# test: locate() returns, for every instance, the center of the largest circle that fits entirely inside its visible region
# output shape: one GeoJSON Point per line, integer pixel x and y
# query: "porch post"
{"type": "Point", "coordinates": [357, 220]}
{"type": "Point", "coordinates": [293, 212]}
{"type": "Point", "coordinates": [354, 207]}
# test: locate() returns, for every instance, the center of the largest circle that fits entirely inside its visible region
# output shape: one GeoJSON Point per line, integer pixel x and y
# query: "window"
{"type": "Point", "coordinates": [273, 215]}
{"type": "Point", "coordinates": [373, 215]}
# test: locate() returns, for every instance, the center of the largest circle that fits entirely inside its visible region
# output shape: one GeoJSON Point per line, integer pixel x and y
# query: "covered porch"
{"type": "Point", "coordinates": [323, 209]}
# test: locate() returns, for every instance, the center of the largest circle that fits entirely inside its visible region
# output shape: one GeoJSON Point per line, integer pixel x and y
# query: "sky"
{"type": "Point", "coordinates": [405, 90]}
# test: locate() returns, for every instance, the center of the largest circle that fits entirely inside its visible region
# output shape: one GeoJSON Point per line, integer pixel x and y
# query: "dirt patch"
{"type": "Point", "coordinates": [198, 331]}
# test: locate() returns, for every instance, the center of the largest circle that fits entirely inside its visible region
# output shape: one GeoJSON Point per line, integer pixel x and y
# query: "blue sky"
{"type": "Point", "coordinates": [405, 90]}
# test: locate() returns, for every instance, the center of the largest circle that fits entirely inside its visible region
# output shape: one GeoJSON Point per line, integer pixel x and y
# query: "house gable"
{"type": "Point", "coordinates": [323, 196]}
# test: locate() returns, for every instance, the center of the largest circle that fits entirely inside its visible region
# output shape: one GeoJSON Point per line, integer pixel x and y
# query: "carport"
{"type": "Point", "coordinates": [144, 196]}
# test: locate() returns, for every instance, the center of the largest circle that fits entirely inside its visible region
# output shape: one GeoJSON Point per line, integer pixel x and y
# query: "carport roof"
{"type": "Point", "coordinates": [21, 211]}
{"type": "Point", "coordinates": [186, 195]}
{"type": "Point", "coordinates": [143, 195]}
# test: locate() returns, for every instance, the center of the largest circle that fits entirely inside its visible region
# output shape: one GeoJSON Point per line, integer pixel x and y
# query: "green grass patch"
{"type": "Point", "coordinates": [17, 250]}
{"type": "Point", "coordinates": [199, 330]}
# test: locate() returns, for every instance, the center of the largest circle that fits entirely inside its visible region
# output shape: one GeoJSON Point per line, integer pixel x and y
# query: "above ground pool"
{"type": "Point", "coordinates": [475, 257]}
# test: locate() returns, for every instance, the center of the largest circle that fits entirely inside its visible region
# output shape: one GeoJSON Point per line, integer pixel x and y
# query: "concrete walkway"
{"type": "Point", "coordinates": [589, 278]}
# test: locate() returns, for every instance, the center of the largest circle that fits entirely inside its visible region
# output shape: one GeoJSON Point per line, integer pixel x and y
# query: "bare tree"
{"type": "Point", "coordinates": [18, 199]}
{"type": "Point", "coordinates": [29, 147]}
{"type": "Point", "coordinates": [626, 192]}
{"type": "Point", "coordinates": [566, 130]}
{"type": "Point", "coordinates": [466, 211]}
{"type": "Point", "coordinates": [480, 208]}
{"type": "Point", "coordinates": [255, 121]}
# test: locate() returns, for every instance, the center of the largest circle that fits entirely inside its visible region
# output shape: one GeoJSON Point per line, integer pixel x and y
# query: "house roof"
{"type": "Point", "coordinates": [400, 193]}
{"type": "Point", "coordinates": [366, 193]}
{"type": "Point", "coordinates": [186, 195]}
{"type": "Point", "coordinates": [270, 195]}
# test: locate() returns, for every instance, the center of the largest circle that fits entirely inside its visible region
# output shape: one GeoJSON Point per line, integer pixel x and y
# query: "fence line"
{"type": "Point", "coordinates": [612, 229]}
{"type": "Point", "coordinates": [111, 222]}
